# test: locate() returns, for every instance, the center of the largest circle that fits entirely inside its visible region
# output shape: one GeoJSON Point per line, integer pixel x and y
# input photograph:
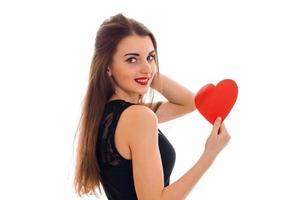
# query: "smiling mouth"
{"type": "Point", "coordinates": [142, 81]}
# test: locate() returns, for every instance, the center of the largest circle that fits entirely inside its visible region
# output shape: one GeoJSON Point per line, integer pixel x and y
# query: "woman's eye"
{"type": "Point", "coordinates": [131, 60]}
{"type": "Point", "coordinates": [151, 57]}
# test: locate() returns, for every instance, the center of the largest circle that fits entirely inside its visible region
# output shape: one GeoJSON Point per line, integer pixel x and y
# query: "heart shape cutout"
{"type": "Point", "coordinates": [213, 101]}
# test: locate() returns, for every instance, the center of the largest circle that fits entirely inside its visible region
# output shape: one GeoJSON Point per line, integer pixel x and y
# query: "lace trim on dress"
{"type": "Point", "coordinates": [108, 153]}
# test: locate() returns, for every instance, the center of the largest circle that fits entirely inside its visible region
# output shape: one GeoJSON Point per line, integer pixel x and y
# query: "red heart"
{"type": "Point", "coordinates": [213, 101]}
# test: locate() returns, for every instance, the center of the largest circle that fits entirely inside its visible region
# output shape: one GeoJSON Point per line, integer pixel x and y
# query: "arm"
{"type": "Point", "coordinates": [146, 161]}
{"type": "Point", "coordinates": [180, 99]}
{"type": "Point", "coordinates": [217, 140]}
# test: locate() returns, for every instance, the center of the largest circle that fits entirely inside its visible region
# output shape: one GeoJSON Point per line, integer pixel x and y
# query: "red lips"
{"type": "Point", "coordinates": [142, 80]}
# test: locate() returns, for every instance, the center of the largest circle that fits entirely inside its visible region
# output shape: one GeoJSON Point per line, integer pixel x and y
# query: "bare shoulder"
{"type": "Point", "coordinates": [139, 125]}
{"type": "Point", "coordinates": [139, 117]}
{"type": "Point", "coordinates": [131, 129]}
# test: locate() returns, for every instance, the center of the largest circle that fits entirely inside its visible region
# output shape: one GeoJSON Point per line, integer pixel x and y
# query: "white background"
{"type": "Point", "coordinates": [46, 49]}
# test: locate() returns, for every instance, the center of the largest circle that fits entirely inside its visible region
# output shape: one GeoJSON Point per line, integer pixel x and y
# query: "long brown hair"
{"type": "Point", "coordinates": [100, 88]}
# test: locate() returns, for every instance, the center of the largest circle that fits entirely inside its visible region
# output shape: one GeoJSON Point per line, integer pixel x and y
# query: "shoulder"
{"type": "Point", "coordinates": [144, 149]}
{"type": "Point", "coordinates": [139, 122]}
{"type": "Point", "coordinates": [139, 113]}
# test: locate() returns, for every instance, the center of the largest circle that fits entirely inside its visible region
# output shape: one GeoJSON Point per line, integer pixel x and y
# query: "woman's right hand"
{"type": "Point", "coordinates": [217, 140]}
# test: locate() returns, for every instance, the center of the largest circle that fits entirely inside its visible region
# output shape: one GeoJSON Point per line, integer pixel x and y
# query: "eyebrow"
{"type": "Point", "coordinates": [137, 54]}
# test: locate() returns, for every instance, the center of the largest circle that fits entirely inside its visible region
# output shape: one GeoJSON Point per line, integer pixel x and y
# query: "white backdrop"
{"type": "Point", "coordinates": [46, 49]}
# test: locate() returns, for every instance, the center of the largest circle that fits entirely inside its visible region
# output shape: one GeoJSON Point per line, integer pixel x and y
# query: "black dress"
{"type": "Point", "coordinates": [115, 170]}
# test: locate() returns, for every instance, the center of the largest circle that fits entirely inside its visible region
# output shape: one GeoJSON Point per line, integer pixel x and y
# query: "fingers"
{"type": "Point", "coordinates": [217, 125]}
{"type": "Point", "coordinates": [223, 133]}
{"type": "Point", "coordinates": [222, 128]}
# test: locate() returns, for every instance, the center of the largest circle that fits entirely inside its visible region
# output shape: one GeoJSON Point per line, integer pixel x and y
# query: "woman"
{"type": "Point", "coordinates": [120, 146]}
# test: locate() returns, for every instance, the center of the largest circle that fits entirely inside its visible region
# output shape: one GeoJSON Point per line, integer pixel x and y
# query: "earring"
{"type": "Point", "coordinates": [109, 72]}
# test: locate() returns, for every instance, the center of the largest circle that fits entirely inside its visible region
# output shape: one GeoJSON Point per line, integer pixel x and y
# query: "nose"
{"type": "Point", "coordinates": [146, 68]}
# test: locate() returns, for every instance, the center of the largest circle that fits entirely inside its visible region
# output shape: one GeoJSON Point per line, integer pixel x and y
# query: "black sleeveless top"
{"type": "Point", "coordinates": [115, 170]}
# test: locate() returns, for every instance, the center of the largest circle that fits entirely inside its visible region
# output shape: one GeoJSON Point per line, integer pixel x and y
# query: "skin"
{"type": "Point", "coordinates": [136, 134]}
{"type": "Point", "coordinates": [127, 66]}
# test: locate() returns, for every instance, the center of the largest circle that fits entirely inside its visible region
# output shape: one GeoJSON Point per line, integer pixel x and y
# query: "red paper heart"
{"type": "Point", "coordinates": [213, 101]}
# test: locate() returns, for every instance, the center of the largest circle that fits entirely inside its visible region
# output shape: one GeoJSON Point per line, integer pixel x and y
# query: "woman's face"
{"type": "Point", "coordinates": [134, 58]}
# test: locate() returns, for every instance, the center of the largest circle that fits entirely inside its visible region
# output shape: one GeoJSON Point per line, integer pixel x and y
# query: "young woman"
{"type": "Point", "coordinates": [120, 146]}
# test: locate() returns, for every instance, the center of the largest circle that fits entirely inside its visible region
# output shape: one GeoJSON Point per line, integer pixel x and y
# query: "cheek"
{"type": "Point", "coordinates": [119, 73]}
{"type": "Point", "coordinates": [125, 77]}
{"type": "Point", "coordinates": [154, 69]}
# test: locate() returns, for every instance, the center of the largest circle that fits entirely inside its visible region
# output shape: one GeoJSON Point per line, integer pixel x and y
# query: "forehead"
{"type": "Point", "coordinates": [135, 44]}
